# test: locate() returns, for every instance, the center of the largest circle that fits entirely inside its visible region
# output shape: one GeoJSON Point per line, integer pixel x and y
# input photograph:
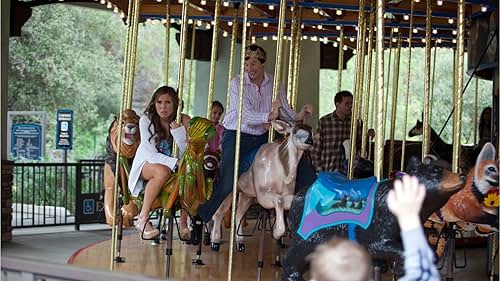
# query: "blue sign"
{"type": "Point", "coordinates": [64, 135]}
{"type": "Point", "coordinates": [88, 206]}
{"type": "Point", "coordinates": [26, 141]}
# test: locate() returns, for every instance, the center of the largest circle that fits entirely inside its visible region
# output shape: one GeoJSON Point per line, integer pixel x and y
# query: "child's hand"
{"type": "Point", "coordinates": [405, 201]}
{"type": "Point", "coordinates": [174, 125]}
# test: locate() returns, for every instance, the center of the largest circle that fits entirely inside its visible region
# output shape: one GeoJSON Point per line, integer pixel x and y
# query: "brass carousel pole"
{"type": "Point", "coordinates": [368, 103]}
{"type": "Point", "coordinates": [363, 97]}
{"type": "Point", "coordinates": [379, 136]}
{"type": "Point", "coordinates": [395, 86]}
{"type": "Point", "coordinates": [373, 92]}
{"type": "Point", "coordinates": [182, 61]}
{"type": "Point", "coordinates": [407, 96]}
{"type": "Point", "coordinates": [234, 37]}
{"type": "Point", "coordinates": [388, 78]}
{"type": "Point", "coordinates": [341, 60]}
{"type": "Point", "coordinates": [433, 80]}
{"type": "Point", "coordinates": [476, 94]}
{"type": "Point", "coordinates": [357, 78]}
{"type": "Point", "coordinates": [457, 118]}
{"type": "Point", "coordinates": [128, 75]}
{"type": "Point", "coordinates": [426, 136]}
{"type": "Point", "coordinates": [213, 57]}
{"type": "Point", "coordinates": [238, 140]}
{"type": "Point", "coordinates": [291, 63]}
{"type": "Point", "coordinates": [190, 73]}
{"type": "Point", "coordinates": [167, 43]}
{"type": "Point", "coordinates": [297, 59]}
{"type": "Point", "coordinates": [279, 57]}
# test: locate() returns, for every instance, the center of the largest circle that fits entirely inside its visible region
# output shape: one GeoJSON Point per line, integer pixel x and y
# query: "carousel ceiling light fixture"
{"type": "Point", "coordinates": [230, 23]}
{"type": "Point", "coordinates": [180, 1]}
{"type": "Point", "coordinates": [450, 21]}
{"type": "Point", "coordinates": [338, 12]}
{"type": "Point", "coordinates": [115, 10]}
{"type": "Point", "coordinates": [302, 26]}
{"type": "Point", "coordinates": [122, 15]}
{"type": "Point", "coordinates": [423, 40]}
{"type": "Point", "coordinates": [335, 44]}
{"type": "Point", "coordinates": [304, 37]}
{"type": "Point", "coordinates": [344, 48]}
{"type": "Point", "coordinates": [434, 31]}
{"type": "Point", "coordinates": [225, 3]}
{"type": "Point", "coordinates": [270, 7]}
{"type": "Point", "coordinates": [440, 2]}
{"type": "Point", "coordinates": [203, 2]}
{"type": "Point", "coordinates": [265, 24]}
{"type": "Point", "coordinates": [102, 2]}
{"type": "Point", "coordinates": [338, 27]}
{"type": "Point", "coordinates": [406, 17]}
{"type": "Point", "coordinates": [352, 39]}
{"type": "Point", "coordinates": [321, 13]}
{"type": "Point", "coordinates": [249, 5]}
{"type": "Point", "coordinates": [454, 41]}
{"type": "Point", "coordinates": [172, 20]}
{"type": "Point", "coordinates": [415, 30]}
{"type": "Point", "coordinates": [417, 1]}
{"type": "Point", "coordinates": [484, 8]}
{"type": "Point", "coordinates": [225, 34]}
{"type": "Point", "coordinates": [248, 24]}
{"type": "Point", "coordinates": [320, 26]}
{"type": "Point", "coordinates": [190, 21]}
{"type": "Point", "coordinates": [208, 26]}
{"type": "Point", "coordinates": [109, 5]}
{"type": "Point", "coordinates": [199, 23]}
{"type": "Point", "coordinates": [454, 32]}
{"type": "Point", "coordinates": [159, 1]}
{"type": "Point", "coordinates": [275, 37]}
{"type": "Point", "coordinates": [394, 40]}
{"type": "Point", "coordinates": [439, 40]}
{"type": "Point", "coordinates": [353, 51]}
{"type": "Point", "coordinates": [314, 38]}
{"type": "Point", "coordinates": [315, 10]}
{"type": "Point", "coordinates": [395, 29]}
{"type": "Point", "coordinates": [264, 38]}
{"type": "Point", "coordinates": [338, 39]}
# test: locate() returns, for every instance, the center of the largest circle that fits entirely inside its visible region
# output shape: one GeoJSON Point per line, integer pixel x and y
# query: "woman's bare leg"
{"type": "Point", "coordinates": [156, 175]}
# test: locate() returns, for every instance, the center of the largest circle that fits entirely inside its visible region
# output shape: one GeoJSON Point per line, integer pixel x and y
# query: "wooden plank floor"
{"type": "Point", "coordinates": [150, 260]}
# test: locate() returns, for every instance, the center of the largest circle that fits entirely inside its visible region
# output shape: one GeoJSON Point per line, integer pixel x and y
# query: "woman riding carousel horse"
{"type": "Point", "coordinates": [154, 161]}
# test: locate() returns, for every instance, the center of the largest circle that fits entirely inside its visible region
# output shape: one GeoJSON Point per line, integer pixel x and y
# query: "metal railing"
{"type": "Point", "coordinates": [46, 194]}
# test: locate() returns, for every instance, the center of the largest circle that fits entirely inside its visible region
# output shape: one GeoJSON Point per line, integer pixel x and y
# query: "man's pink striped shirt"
{"type": "Point", "coordinates": [256, 105]}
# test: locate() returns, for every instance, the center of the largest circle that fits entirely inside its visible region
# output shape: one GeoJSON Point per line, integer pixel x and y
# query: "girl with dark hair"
{"type": "Point", "coordinates": [154, 161]}
{"type": "Point", "coordinates": [216, 111]}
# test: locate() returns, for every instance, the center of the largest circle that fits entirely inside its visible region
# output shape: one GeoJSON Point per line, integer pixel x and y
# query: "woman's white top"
{"type": "Point", "coordinates": [147, 152]}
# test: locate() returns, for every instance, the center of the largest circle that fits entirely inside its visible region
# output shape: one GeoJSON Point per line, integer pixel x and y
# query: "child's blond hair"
{"type": "Point", "coordinates": [340, 260]}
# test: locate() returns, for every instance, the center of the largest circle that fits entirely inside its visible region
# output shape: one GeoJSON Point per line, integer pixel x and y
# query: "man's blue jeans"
{"type": "Point", "coordinates": [305, 176]}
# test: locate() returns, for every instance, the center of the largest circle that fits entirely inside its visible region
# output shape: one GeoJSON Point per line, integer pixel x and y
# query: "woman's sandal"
{"type": "Point", "coordinates": [146, 230]}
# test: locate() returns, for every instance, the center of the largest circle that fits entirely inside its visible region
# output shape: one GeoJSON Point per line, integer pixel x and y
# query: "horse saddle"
{"type": "Point", "coordinates": [333, 199]}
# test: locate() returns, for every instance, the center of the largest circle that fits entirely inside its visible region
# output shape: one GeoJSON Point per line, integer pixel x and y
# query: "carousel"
{"type": "Point", "coordinates": [275, 238]}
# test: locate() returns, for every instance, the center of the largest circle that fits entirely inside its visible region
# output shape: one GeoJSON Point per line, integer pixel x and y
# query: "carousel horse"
{"type": "Point", "coordinates": [441, 149]}
{"type": "Point", "coordinates": [129, 143]}
{"type": "Point", "coordinates": [313, 218]}
{"type": "Point", "coordinates": [270, 179]}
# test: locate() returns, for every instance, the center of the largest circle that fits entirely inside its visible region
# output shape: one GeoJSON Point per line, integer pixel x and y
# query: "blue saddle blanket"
{"type": "Point", "coordinates": [333, 199]}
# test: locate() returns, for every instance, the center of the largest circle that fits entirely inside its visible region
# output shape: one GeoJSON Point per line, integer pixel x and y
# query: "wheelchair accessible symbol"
{"type": "Point", "coordinates": [88, 206]}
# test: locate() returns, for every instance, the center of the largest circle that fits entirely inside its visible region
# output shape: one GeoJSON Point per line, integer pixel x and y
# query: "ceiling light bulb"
{"type": "Point", "coordinates": [208, 26]}
{"type": "Point", "coordinates": [338, 27]}
{"type": "Point", "coordinates": [199, 23]}
{"type": "Point", "coordinates": [394, 40]}
{"type": "Point", "coordinates": [434, 31]}
{"type": "Point", "coordinates": [440, 2]}
{"type": "Point", "coordinates": [406, 17]}
{"type": "Point", "coordinates": [304, 37]}
{"type": "Point", "coordinates": [190, 21]}
{"type": "Point", "coordinates": [450, 21]}
{"type": "Point", "coordinates": [203, 2]}
{"type": "Point", "coordinates": [249, 5]}
{"type": "Point", "coordinates": [484, 9]}
{"type": "Point", "coordinates": [439, 40]}
{"type": "Point", "coordinates": [454, 41]}
{"type": "Point", "coordinates": [352, 39]}
{"type": "Point", "coordinates": [265, 24]}
{"type": "Point", "coordinates": [315, 10]}
{"type": "Point", "coordinates": [270, 7]}
{"type": "Point", "coordinates": [275, 37]}
{"type": "Point", "coordinates": [264, 38]}
{"type": "Point", "coordinates": [338, 12]}
{"type": "Point", "coordinates": [338, 39]}
{"type": "Point", "coordinates": [321, 12]}
{"type": "Point", "coordinates": [224, 34]}
{"type": "Point", "coordinates": [320, 26]}
{"type": "Point", "coordinates": [415, 30]}
{"type": "Point", "coordinates": [353, 52]}
{"type": "Point", "coordinates": [225, 3]}
{"type": "Point", "coordinates": [454, 32]}
{"type": "Point", "coordinates": [230, 23]}
{"type": "Point", "coordinates": [395, 29]}
{"type": "Point", "coordinates": [248, 24]}
{"type": "Point", "coordinates": [335, 44]}
{"type": "Point", "coordinates": [423, 40]}
{"type": "Point", "coordinates": [344, 48]}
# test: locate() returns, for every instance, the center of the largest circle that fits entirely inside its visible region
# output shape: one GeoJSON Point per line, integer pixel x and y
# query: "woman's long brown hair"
{"type": "Point", "coordinates": [155, 127]}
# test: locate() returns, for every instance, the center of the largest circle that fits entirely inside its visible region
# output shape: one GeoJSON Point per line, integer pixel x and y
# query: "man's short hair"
{"type": "Point", "coordinates": [255, 51]}
{"type": "Point", "coordinates": [341, 95]}
{"type": "Point", "coordinates": [340, 260]}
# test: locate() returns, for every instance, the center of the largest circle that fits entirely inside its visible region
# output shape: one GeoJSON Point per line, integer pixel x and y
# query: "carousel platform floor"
{"type": "Point", "coordinates": [91, 249]}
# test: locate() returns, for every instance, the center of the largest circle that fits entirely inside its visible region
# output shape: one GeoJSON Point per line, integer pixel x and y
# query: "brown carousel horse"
{"type": "Point", "coordinates": [129, 143]}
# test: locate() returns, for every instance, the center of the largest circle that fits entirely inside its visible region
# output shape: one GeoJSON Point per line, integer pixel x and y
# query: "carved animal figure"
{"type": "Point", "coordinates": [129, 142]}
{"type": "Point", "coordinates": [380, 235]}
{"type": "Point", "coordinates": [270, 179]}
{"type": "Point", "coordinates": [441, 149]}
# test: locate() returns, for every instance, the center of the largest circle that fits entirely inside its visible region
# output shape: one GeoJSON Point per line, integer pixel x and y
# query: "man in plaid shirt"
{"type": "Point", "coordinates": [333, 129]}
